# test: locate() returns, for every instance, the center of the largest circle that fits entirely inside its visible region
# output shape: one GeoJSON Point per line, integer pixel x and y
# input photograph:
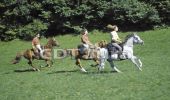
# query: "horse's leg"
{"type": "Point", "coordinates": [114, 67]}
{"type": "Point", "coordinates": [52, 62]}
{"type": "Point", "coordinates": [134, 59]}
{"type": "Point", "coordinates": [78, 63]}
{"type": "Point", "coordinates": [140, 62]}
{"type": "Point", "coordinates": [33, 67]}
{"type": "Point", "coordinates": [97, 63]}
{"type": "Point", "coordinates": [101, 64]}
{"type": "Point", "coordinates": [48, 63]}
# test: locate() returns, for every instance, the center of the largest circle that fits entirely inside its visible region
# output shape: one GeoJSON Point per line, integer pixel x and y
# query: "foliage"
{"type": "Point", "coordinates": [132, 12]}
{"type": "Point", "coordinates": [163, 7]}
{"type": "Point", "coordinates": [31, 29]}
{"type": "Point", "coordinates": [24, 18]}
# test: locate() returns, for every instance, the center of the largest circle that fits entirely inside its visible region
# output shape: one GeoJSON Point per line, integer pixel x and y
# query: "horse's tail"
{"type": "Point", "coordinates": [17, 58]}
{"type": "Point", "coordinates": [74, 53]}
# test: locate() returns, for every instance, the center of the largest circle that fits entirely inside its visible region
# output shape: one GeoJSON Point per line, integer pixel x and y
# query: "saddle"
{"type": "Point", "coordinates": [84, 51]}
{"type": "Point", "coordinates": [37, 52]}
{"type": "Point", "coordinates": [112, 49]}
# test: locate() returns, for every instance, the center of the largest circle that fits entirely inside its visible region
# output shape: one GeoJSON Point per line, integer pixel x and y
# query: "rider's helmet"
{"type": "Point", "coordinates": [38, 35]}
{"type": "Point", "coordinates": [84, 31]}
{"type": "Point", "coordinates": [112, 27]}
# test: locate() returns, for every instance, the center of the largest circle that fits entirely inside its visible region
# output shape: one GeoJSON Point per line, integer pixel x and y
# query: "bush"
{"type": "Point", "coordinates": [132, 12]}
{"type": "Point", "coordinates": [25, 18]}
{"type": "Point", "coordinates": [28, 31]}
{"type": "Point", "coordinates": [163, 7]}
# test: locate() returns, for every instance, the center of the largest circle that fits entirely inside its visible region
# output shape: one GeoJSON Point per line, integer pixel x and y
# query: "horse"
{"type": "Point", "coordinates": [30, 54]}
{"type": "Point", "coordinates": [109, 55]}
{"type": "Point", "coordinates": [94, 51]}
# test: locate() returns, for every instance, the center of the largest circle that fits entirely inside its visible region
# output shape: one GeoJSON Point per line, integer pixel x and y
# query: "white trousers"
{"type": "Point", "coordinates": [86, 46]}
{"type": "Point", "coordinates": [39, 48]}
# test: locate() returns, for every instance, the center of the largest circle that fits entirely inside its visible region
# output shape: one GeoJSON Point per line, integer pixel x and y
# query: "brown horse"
{"type": "Point", "coordinates": [30, 54]}
{"type": "Point", "coordinates": [94, 52]}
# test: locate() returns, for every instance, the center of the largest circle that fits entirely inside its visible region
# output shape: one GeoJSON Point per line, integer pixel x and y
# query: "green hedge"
{"type": "Point", "coordinates": [25, 18]}
{"type": "Point", "coordinates": [163, 7]}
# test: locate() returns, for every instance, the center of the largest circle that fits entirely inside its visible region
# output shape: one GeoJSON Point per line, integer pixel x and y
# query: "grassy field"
{"type": "Point", "coordinates": [64, 81]}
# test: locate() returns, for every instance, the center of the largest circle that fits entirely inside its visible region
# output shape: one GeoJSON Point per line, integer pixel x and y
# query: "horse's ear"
{"type": "Point", "coordinates": [53, 38]}
{"type": "Point", "coordinates": [135, 33]}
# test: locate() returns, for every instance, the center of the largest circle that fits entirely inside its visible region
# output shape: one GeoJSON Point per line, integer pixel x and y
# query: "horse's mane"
{"type": "Point", "coordinates": [48, 45]}
{"type": "Point", "coordinates": [127, 37]}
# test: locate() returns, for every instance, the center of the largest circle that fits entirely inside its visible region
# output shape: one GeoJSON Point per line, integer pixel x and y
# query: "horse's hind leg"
{"type": "Point", "coordinates": [52, 63]}
{"type": "Point", "coordinates": [97, 63]}
{"type": "Point", "coordinates": [114, 67]}
{"type": "Point", "coordinates": [78, 63]}
{"type": "Point", "coordinates": [49, 63]}
{"type": "Point", "coordinates": [31, 64]}
{"type": "Point", "coordinates": [101, 64]}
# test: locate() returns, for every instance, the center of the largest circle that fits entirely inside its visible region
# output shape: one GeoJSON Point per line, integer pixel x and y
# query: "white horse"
{"type": "Point", "coordinates": [110, 56]}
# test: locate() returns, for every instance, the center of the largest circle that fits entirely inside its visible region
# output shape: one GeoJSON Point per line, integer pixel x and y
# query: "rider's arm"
{"type": "Point", "coordinates": [84, 40]}
{"type": "Point", "coordinates": [119, 40]}
{"type": "Point", "coordinates": [33, 46]}
{"type": "Point", "coordinates": [115, 38]}
{"type": "Point", "coordinates": [33, 43]}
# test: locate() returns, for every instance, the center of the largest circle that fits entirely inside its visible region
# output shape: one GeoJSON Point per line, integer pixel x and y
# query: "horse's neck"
{"type": "Point", "coordinates": [48, 46]}
{"type": "Point", "coordinates": [129, 42]}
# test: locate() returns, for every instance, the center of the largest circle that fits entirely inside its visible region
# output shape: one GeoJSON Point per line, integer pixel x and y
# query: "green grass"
{"type": "Point", "coordinates": [64, 81]}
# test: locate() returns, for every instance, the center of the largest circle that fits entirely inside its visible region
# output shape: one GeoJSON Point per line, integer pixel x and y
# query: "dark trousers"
{"type": "Point", "coordinates": [117, 46]}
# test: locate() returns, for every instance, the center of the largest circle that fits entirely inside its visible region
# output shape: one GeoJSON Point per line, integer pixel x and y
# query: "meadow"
{"type": "Point", "coordinates": [64, 81]}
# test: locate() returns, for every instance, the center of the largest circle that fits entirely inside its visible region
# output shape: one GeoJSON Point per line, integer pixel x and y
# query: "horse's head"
{"type": "Point", "coordinates": [53, 42]}
{"type": "Point", "coordinates": [102, 44]}
{"type": "Point", "coordinates": [137, 39]}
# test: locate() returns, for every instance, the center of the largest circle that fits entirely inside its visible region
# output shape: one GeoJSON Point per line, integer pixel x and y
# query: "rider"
{"type": "Point", "coordinates": [36, 44]}
{"type": "Point", "coordinates": [115, 40]}
{"type": "Point", "coordinates": [85, 40]}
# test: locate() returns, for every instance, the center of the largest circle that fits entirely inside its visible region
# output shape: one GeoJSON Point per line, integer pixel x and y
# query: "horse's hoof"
{"type": "Point", "coordinates": [34, 69]}
{"type": "Point", "coordinates": [83, 70]}
{"type": "Point", "coordinates": [38, 70]}
{"type": "Point", "coordinates": [41, 66]}
{"type": "Point", "coordinates": [120, 72]}
{"type": "Point", "coordinates": [140, 69]}
{"type": "Point", "coordinates": [116, 70]}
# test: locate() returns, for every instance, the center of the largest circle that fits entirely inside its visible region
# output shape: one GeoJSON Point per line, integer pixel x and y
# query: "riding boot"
{"type": "Point", "coordinates": [41, 54]}
{"type": "Point", "coordinates": [36, 54]}
{"type": "Point", "coordinates": [90, 55]}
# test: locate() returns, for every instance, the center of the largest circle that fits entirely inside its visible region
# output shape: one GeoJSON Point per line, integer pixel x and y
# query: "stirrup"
{"type": "Point", "coordinates": [121, 56]}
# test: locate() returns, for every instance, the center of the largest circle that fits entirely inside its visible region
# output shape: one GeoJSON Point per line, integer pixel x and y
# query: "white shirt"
{"type": "Point", "coordinates": [114, 36]}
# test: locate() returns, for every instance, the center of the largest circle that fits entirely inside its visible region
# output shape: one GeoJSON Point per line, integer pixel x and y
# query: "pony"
{"type": "Point", "coordinates": [107, 54]}
{"type": "Point", "coordinates": [30, 54]}
{"type": "Point", "coordinates": [94, 51]}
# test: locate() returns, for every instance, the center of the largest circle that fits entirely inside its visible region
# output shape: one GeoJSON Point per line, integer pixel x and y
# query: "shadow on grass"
{"type": "Point", "coordinates": [74, 71]}
{"type": "Point", "coordinates": [63, 71]}
{"type": "Point", "coordinates": [101, 72]}
{"type": "Point", "coordinates": [24, 70]}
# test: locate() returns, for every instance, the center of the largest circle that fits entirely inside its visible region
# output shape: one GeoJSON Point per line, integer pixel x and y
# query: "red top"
{"type": "Point", "coordinates": [36, 41]}
{"type": "Point", "coordinates": [85, 39]}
